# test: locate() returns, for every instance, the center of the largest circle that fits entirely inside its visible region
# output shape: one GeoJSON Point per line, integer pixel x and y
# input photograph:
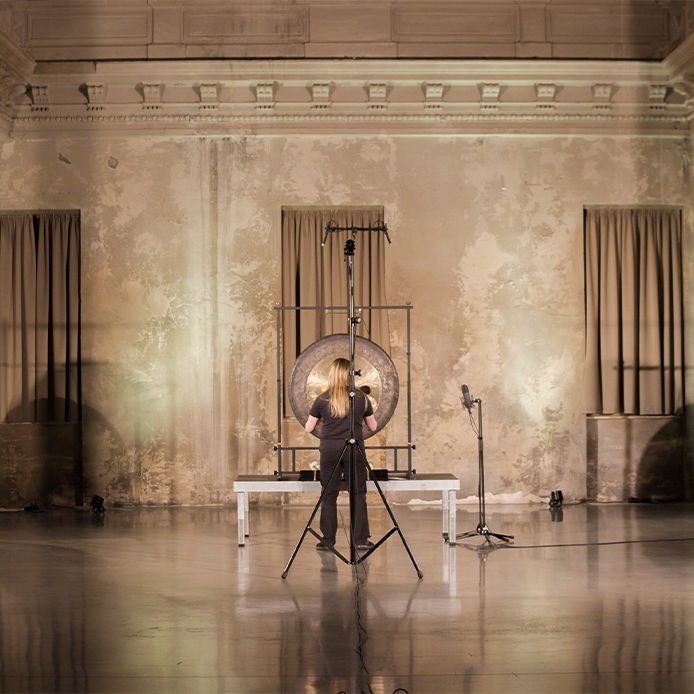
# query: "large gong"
{"type": "Point", "coordinates": [378, 378]}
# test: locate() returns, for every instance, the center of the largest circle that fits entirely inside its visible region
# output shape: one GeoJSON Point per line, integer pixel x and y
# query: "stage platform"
{"type": "Point", "coordinates": [445, 483]}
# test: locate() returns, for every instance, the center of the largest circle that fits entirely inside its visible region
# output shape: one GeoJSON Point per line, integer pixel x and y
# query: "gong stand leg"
{"type": "Point", "coordinates": [278, 447]}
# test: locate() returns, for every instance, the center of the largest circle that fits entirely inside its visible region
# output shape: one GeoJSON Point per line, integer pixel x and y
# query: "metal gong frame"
{"type": "Point", "coordinates": [280, 448]}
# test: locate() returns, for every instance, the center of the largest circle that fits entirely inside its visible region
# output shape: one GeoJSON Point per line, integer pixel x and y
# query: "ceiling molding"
{"type": "Point", "coordinates": [370, 96]}
{"type": "Point", "coordinates": [276, 29]}
{"type": "Point", "coordinates": [389, 96]}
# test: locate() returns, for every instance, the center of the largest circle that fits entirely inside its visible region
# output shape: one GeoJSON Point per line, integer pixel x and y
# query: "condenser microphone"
{"type": "Point", "coordinates": [467, 400]}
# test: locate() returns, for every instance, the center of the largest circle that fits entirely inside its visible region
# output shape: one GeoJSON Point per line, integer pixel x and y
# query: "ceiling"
{"type": "Point", "coordinates": [410, 29]}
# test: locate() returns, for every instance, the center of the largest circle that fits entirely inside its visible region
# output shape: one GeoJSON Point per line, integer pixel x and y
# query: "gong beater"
{"type": "Point", "coordinates": [378, 379]}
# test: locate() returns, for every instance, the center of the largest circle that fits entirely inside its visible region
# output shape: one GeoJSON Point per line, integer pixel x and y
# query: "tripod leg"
{"type": "Point", "coordinates": [505, 538]}
{"type": "Point", "coordinates": [395, 523]}
{"type": "Point", "coordinates": [298, 545]}
{"type": "Point", "coordinates": [308, 527]}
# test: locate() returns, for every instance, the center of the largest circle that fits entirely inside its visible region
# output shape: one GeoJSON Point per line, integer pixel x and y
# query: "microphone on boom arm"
{"type": "Point", "coordinates": [467, 400]}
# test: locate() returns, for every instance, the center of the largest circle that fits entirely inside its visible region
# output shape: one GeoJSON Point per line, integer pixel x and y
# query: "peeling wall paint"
{"type": "Point", "coordinates": [181, 271]}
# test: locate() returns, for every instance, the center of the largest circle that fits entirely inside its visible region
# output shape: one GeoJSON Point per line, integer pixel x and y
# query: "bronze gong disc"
{"type": "Point", "coordinates": [379, 379]}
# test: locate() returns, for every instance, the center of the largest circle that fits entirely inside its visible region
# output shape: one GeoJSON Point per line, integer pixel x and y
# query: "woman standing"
{"type": "Point", "coordinates": [333, 408]}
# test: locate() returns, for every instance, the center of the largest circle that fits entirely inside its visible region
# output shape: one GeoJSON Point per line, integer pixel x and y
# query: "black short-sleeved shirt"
{"type": "Point", "coordinates": [338, 427]}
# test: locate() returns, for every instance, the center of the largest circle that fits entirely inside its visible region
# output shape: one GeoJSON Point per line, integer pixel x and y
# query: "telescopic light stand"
{"type": "Point", "coordinates": [481, 528]}
{"type": "Point", "coordinates": [351, 444]}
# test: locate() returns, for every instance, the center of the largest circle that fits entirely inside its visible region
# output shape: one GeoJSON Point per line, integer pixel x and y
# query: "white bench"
{"type": "Point", "coordinates": [443, 482]}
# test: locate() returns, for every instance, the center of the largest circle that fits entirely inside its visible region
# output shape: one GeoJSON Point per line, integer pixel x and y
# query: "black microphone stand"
{"type": "Point", "coordinates": [352, 444]}
{"type": "Point", "coordinates": [481, 528]}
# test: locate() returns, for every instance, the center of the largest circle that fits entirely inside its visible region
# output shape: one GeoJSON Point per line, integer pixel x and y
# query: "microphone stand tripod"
{"type": "Point", "coordinates": [481, 528]}
{"type": "Point", "coordinates": [351, 443]}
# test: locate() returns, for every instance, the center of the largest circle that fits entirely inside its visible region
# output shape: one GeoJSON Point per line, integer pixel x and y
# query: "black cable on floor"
{"type": "Point", "coordinates": [362, 634]}
{"type": "Point", "coordinates": [597, 544]}
{"type": "Point", "coordinates": [29, 505]}
{"type": "Point", "coordinates": [39, 506]}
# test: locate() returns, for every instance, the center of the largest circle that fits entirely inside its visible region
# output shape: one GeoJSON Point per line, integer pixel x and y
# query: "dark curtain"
{"type": "Point", "coordinates": [634, 311]}
{"type": "Point", "coordinates": [40, 371]}
{"type": "Point", "coordinates": [316, 275]}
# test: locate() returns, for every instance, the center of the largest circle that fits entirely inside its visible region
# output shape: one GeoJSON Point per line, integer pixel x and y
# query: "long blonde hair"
{"type": "Point", "coordinates": [338, 382]}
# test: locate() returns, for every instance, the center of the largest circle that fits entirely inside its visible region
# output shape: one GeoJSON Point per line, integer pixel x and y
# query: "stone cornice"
{"type": "Point", "coordinates": [471, 124]}
{"type": "Point", "coordinates": [365, 96]}
{"type": "Point", "coordinates": [186, 95]}
{"type": "Point", "coordinates": [404, 71]}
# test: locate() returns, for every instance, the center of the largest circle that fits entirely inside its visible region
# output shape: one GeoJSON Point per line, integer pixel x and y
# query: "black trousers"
{"type": "Point", "coordinates": [330, 450]}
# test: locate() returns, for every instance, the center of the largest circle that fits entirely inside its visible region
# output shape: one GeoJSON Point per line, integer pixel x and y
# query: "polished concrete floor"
{"type": "Point", "coordinates": [593, 598]}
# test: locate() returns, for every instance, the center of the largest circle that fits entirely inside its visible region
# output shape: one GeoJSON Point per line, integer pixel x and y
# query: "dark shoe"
{"type": "Point", "coordinates": [367, 544]}
{"type": "Point", "coordinates": [323, 546]}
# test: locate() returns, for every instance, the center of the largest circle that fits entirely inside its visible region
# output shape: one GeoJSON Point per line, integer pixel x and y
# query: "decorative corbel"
{"type": "Point", "coordinates": [265, 96]}
{"type": "Point", "coordinates": [490, 96]}
{"type": "Point", "coordinates": [320, 95]}
{"type": "Point", "coordinates": [656, 96]}
{"type": "Point", "coordinates": [602, 97]}
{"type": "Point", "coordinates": [544, 95]}
{"type": "Point", "coordinates": [40, 98]}
{"type": "Point", "coordinates": [209, 97]}
{"type": "Point", "coordinates": [152, 96]}
{"type": "Point", "coordinates": [433, 96]}
{"type": "Point", "coordinates": [96, 96]}
{"type": "Point", "coordinates": [377, 95]}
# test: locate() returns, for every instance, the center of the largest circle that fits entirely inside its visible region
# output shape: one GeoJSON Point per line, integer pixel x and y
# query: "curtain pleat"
{"type": "Point", "coordinates": [634, 311]}
{"type": "Point", "coordinates": [17, 315]}
{"type": "Point", "coordinates": [40, 275]}
{"type": "Point", "coordinates": [316, 275]}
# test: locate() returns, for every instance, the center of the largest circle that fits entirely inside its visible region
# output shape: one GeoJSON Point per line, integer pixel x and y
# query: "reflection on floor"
{"type": "Point", "coordinates": [592, 598]}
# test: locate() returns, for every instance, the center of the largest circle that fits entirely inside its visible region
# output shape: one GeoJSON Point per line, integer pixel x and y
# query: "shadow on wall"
{"type": "Point", "coordinates": [662, 469]}
{"type": "Point", "coordinates": [638, 458]}
{"type": "Point", "coordinates": [44, 460]}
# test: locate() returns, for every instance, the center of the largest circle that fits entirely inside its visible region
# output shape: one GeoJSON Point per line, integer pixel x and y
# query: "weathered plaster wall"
{"type": "Point", "coordinates": [181, 263]}
{"type": "Point", "coordinates": [495, 236]}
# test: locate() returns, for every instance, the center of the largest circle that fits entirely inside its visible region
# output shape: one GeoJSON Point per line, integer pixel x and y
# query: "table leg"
{"type": "Point", "coordinates": [445, 513]}
{"type": "Point", "coordinates": [451, 516]}
{"type": "Point", "coordinates": [242, 515]}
